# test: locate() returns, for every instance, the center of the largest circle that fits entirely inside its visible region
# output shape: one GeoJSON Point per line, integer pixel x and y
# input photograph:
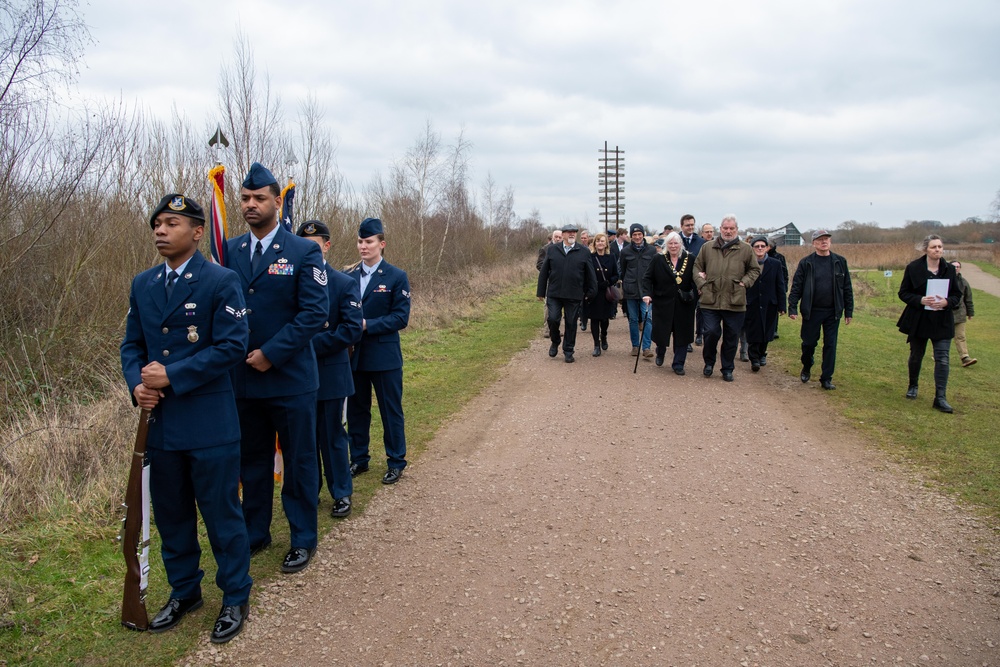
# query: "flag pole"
{"type": "Point", "coordinates": [217, 177]}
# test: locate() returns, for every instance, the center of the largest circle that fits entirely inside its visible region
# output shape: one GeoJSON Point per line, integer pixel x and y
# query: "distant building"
{"type": "Point", "coordinates": [787, 235]}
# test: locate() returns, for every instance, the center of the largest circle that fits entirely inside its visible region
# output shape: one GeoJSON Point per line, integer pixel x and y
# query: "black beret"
{"type": "Point", "coordinates": [180, 205]}
{"type": "Point", "coordinates": [259, 177]}
{"type": "Point", "coordinates": [314, 228]}
{"type": "Point", "coordinates": [370, 227]}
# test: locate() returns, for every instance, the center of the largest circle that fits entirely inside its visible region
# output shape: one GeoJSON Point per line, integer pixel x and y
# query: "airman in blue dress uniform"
{"type": "Point", "coordinates": [184, 331]}
{"type": "Point", "coordinates": [284, 284]}
{"type": "Point", "coordinates": [378, 358]}
{"type": "Point", "coordinates": [341, 331]}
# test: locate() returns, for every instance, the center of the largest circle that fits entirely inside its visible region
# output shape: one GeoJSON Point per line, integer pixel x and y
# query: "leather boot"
{"type": "Point", "coordinates": [597, 351]}
{"type": "Point", "coordinates": [940, 403]}
{"type": "Point", "coordinates": [911, 392]}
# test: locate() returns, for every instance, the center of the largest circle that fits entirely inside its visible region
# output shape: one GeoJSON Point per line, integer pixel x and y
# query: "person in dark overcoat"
{"type": "Point", "coordinates": [668, 285]}
{"type": "Point", "coordinates": [765, 301]}
{"type": "Point", "coordinates": [567, 278]}
{"type": "Point", "coordinates": [285, 287]}
{"type": "Point", "coordinates": [928, 316]}
{"type": "Point", "coordinates": [602, 310]}
{"type": "Point", "coordinates": [185, 329]}
{"type": "Point", "coordinates": [378, 358]}
{"type": "Point", "coordinates": [341, 331]}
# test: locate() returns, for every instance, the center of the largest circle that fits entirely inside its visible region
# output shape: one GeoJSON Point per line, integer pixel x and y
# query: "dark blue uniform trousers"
{"type": "Point", "coordinates": [334, 447]}
{"type": "Point", "coordinates": [388, 386]}
{"type": "Point", "coordinates": [293, 418]}
{"type": "Point", "coordinates": [724, 324]}
{"type": "Point", "coordinates": [210, 477]}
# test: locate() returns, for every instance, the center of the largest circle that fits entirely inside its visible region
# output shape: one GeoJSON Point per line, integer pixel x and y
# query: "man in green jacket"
{"type": "Point", "coordinates": [963, 312]}
{"type": "Point", "coordinates": [724, 269]}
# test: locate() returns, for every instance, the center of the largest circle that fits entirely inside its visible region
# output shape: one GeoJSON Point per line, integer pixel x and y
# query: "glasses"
{"type": "Point", "coordinates": [760, 245]}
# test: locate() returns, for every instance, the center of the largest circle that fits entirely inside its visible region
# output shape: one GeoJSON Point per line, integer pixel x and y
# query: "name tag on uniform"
{"type": "Point", "coordinates": [281, 269]}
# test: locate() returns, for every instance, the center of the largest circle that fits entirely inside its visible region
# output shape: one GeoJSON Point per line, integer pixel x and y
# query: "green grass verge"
{"type": "Point", "coordinates": [959, 452]}
{"type": "Point", "coordinates": [63, 578]}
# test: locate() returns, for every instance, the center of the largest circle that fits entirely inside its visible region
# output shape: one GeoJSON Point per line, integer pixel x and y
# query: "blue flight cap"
{"type": "Point", "coordinates": [180, 205]}
{"type": "Point", "coordinates": [259, 177]}
{"type": "Point", "coordinates": [370, 227]}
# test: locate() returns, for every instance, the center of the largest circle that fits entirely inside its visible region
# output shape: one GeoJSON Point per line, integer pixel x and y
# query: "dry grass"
{"type": "Point", "coordinates": [68, 458]}
{"type": "Point", "coordinates": [439, 301]}
{"type": "Point", "coordinates": [895, 256]}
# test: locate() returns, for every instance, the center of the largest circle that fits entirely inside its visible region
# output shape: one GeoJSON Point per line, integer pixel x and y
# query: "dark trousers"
{"type": "Point", "coordinates": [599, 330]}
{"type": "Point", "coordinates": [724, 325]}
{"type": "Point", "coordinates": [559, 309]}
{"type": "Point", "coordinates": [826, 320]}
{"type": "Point", "coordinates": [210, 478]}
{"type": "Point", "coordinates": [699, 325]}
{"type": "Point", "coordinates": [388, 388]}
{"type": "Point", "coordinates": [293, 420]}
{"type": "Point", "coordinates": [334, 447]}
{"type": "Point", "coordinates": [942, 364]}
{"type": "Point", "coordinates": [756, 352]}
{"type": "Point", "coordinates": [680, 355]}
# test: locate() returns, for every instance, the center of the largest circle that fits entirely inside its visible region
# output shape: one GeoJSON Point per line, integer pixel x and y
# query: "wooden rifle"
{"type": "Point", "coordinates": [135, 533]}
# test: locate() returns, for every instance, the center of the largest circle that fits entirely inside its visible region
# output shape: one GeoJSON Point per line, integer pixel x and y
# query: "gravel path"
{"type": "Point", "coordinates": [693, 522]}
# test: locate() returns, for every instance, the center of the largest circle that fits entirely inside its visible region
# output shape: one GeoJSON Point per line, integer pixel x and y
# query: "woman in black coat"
{"type": "Point", "coordinates": [765, 302]}
{"type": "Point", "coordinates": [602, 310]}
{"type": "Point", "coordinates": [929, 318]}
{"type": "Point", "coordinates": [669, 286]}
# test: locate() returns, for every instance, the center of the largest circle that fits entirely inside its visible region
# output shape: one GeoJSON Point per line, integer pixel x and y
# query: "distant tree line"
{"type": "Point", "coordinates": [970, 230]}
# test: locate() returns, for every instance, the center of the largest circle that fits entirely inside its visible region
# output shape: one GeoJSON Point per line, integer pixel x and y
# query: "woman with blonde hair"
{"type": "Point", "coordinates": [601, 309]}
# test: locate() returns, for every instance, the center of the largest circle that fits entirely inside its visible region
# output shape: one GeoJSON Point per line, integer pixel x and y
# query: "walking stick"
{"type": "Point", "coordinates": [642, 327]}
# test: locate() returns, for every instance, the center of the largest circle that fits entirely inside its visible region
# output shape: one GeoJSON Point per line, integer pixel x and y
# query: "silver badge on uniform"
{"type": "Point", "coordinates": [193, 334]}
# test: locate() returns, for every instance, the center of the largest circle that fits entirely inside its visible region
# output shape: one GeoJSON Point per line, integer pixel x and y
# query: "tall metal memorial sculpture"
{"type": "Point", "coordinates": [611, 182]}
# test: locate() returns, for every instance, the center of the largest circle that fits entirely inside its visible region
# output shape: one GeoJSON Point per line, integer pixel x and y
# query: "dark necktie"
{"type": "Point", "coordinates": [171, 279]}
{"type": "Point", "coordinates": [255, 260]}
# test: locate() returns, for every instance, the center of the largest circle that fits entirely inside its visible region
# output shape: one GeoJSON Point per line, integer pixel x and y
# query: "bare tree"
{"type": "Point", "coordinates": [252, 115]}
{"type": "Point", "coordinates": [456, 191]}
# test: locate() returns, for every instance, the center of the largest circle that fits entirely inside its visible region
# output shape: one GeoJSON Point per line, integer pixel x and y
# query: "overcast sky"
{"type": "Point", "coordinates": [777, 111]}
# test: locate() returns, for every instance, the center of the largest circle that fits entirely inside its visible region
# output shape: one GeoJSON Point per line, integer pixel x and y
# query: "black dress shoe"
{"type": "Point", "coordinates": [708, 371]}
{"type": "Point", "coordinates": [230, 622]}
{"type": "Point", "coordinates": [597, 351]}
{"type": "Point", "coordinates": [172, 613]}
{"type": "Point", "coordinates": [553, 349]}
{"type": "Point", "coordinates": [583, 326]}
{"type": "Point", "coordinates": [341, 508]}
{"type": "Point", "coordinates": [679, 371]}
{"type": "Point", "coordinates": [358, 468]}
{"type": "Point", "coordinates": [260, 546]}
{"type": "Point", "coordinates": [659, 360]}
{"type": "Point", "coordinates": [392, 475]}
{"type": "Point", "coordinates": [297, 559]}
{"type": "Point", "coordinates": [826, 384]}
{"type": "Point", "coordinates": [911, 392]}
{"type": "Point", "coordinates": [690, 349]}
{"type": "Point", "coordinates": [698, 341]}
{"type": "Point", "coordinates": [754, 366]}
{"type": "Point", "coordinates": [804, 375]}
{"type": "Point", "coordinates": [604, 344]}
{"type": "Point", "coordinates": [569, 358]}
{"type": "Point", "coordinates": [727, 376]}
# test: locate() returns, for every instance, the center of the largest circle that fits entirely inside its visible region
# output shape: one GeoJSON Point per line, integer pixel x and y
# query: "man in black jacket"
{"type": "Point", "coordinates": [566, 278]}
{"type": "Point", "coordinates": [822, 284]}
{"type": "Point", "coordinates": [633, 262]}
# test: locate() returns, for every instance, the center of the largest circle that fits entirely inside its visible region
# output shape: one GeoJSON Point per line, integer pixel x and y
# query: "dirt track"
{"type": "Point", "coordinates": [693, 522]}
